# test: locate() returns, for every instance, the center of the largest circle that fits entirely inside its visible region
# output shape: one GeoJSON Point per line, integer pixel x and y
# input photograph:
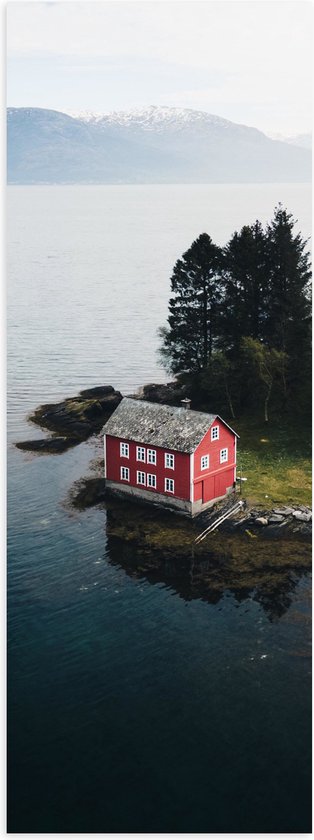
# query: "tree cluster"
{"type": "Point", "coordinates": [239, 328]}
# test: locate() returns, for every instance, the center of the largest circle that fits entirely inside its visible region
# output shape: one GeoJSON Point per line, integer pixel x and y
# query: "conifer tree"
{"type": "Point", "coordinates": [287, 306]}
{"type": "Point", "coordinates": [245, 282]}
{"type": "Point", "coordinates": [190, 336]}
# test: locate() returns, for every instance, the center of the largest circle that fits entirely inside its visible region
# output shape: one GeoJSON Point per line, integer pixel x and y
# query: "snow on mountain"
{"type": "Point", "coordinates": [156, 118]}
{"type": "Point", "coordinates": [87, 116]}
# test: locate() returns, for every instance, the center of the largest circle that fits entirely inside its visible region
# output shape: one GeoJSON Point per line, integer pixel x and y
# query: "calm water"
{"type": "Point", "coordinates": [137, 701]}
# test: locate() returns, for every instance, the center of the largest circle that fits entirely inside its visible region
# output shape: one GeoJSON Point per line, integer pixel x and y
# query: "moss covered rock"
{"type": "Point", "coordinates": [73, 420]}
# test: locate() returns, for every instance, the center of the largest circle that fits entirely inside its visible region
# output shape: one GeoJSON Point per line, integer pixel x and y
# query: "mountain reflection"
{"type": "Point", "coordinates": [266, 572]}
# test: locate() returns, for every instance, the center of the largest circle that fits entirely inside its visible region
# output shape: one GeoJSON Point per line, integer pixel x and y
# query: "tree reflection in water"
{"type": "Point", "coordinates": [162, 551]}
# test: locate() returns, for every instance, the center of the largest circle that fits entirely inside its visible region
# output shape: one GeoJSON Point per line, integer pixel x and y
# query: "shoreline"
{"type": "Point", "coordinates": [251, 523]}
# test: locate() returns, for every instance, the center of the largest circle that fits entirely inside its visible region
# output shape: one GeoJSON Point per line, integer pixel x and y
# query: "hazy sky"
{"type": "Point", "coordinates": [246, 60]}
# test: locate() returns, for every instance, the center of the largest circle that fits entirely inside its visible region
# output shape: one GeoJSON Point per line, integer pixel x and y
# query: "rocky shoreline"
{"type": "Point", "coordinates": [284, 522]}
{"type": "Point", "coordinates": [293, 522]}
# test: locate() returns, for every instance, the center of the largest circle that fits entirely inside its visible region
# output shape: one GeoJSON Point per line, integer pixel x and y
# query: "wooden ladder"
{"type": "Point", "coordinates": [238, 506]}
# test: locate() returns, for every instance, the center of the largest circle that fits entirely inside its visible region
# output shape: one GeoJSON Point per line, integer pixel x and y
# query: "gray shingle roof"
{"type": "Point", "coordinates": [160, 425]}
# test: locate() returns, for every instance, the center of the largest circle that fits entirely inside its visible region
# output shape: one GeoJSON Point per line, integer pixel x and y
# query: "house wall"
{"type": "Point", "coordinates": [131, 493]}
{"type": "Point", "coordinates": [183, 506]}
{"type": "Point", "coordinates": [180, 475]}
{"type": "Point", "coordinates": [214, 482]}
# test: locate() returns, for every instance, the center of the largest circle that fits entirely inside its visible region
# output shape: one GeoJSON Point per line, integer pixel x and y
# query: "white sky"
{"type": "Point", "coordinates": [246, 60]}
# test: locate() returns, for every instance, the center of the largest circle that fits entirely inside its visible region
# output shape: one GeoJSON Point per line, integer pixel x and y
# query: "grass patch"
{"type": "Point", "coordinates": [276, 462]}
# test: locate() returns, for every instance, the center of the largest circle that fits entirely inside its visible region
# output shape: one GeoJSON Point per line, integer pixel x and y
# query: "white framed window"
{"type": "Point", "coordinates": [204, 462]}
{"type": "Point", "coordinates": [124, 450]}
{"type": "Point", "coordinates": [151, 480]}
{"type": "Point", "coordinates": [169, 461]}
{"type": "Point", "coordinates": [124, 473]}
{"type": "Point", "coordinates": [140, 477]}
{"type": "Point", "coordinates": [169, 485]}
{"type": "Point", "coordinates": [215, 433]}
{"type": "Point", "coordinates": [151, 456]}
{"type": "Point", "coordinates": [223, 455]}
{"type": "Point", "coordinates": [140, 453]}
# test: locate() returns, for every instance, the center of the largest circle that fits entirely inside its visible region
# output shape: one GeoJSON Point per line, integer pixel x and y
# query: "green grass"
{"type": "Point", "coordinates": [276, 461]}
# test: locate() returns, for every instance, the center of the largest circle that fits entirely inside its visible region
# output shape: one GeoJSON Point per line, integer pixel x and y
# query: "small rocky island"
{"type": "Point", "coordinates": [75, 419]}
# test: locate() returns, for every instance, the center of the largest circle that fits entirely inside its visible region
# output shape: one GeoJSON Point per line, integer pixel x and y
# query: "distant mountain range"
{"type": "Point", "coordinates": [145, 146]}
{"type": "Point", "coordinates": [302, 140]}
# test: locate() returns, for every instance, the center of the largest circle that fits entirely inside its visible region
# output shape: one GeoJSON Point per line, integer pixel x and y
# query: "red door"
{"type": "Point", "coordinates": [208, 489]}
{"type": "Point", "coordinates": [222, 481]}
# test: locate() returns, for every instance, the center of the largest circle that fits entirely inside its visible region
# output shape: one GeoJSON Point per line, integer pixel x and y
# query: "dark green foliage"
{"type": "Point", "coordinates": [287, 302]}
{"type": "Point", "coordinates": [288, 309]}
{"type": "Point", "coordinates": [216, 381]}
{"type": "Point", "coordinates": [193, 307]}
{"type": "Point", "coordinates": [257, 289]}
{"type": "Point", "coordinates": [269, 365]}
{"type": "Point", "coordinates": [245, 285]}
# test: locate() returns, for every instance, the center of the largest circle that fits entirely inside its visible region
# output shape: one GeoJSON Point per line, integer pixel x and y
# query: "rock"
{"type": "Point", "coordinates": [261, 520]}
{"type": "Point", "coordinates": [171, 393]}
{"type": "Point", "coordinates": [286, 511]}
{"type": "Point", "coordinates": [47, 445]}
{"type": "Point", "coordinates": [98, 392]}
{"type": "Point", "coordinates": [74, 419]}
{"type": "Point", "coordinates": [275, 518]}
{"type": "Point", "coordinates": [302, 517]}
{"type": "Point", "coordinates": [88, 492]}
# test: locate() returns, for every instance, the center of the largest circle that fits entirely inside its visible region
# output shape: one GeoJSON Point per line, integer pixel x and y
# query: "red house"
{"type": "Point", "coordinates": [170, 456]}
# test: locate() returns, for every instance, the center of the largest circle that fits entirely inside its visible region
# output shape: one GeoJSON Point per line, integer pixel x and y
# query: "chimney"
{"type": "Point", "coordinates": [186, 403]}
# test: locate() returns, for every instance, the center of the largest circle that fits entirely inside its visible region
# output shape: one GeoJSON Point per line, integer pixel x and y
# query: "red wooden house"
{"type": "Point", "coordinates": [171, 456]}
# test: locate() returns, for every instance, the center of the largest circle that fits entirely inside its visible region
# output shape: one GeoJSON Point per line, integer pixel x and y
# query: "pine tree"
{"type": "Point", "coordinates": [287, 326]}
{"type": "Point", "coordinates": [215, 381]}
{"type": "Point", "coordinates": [245, 282]}
{"type": "Point", "coordinates": [190, 337]}
{"type": "Point", "coordinates": [288, 303]}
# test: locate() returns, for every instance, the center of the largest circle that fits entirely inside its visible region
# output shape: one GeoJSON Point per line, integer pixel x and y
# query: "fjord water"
{"type": "Point", "coordinates": [135, 702]}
